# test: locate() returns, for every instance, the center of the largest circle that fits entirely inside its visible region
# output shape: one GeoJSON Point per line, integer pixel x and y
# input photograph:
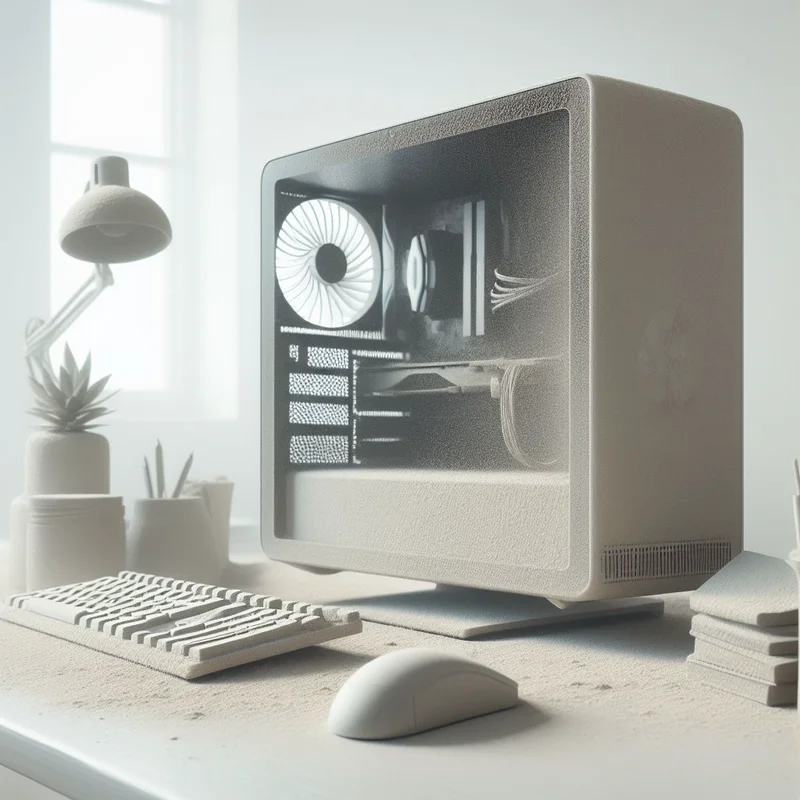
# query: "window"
{"type": "Point", "coordinates": [113, 91]}
{"type": "Point", "coordinates": [155, 82]}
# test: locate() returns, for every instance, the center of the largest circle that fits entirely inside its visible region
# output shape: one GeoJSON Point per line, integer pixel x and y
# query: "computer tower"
{"type": "Point", "coordinates": [502, 346]}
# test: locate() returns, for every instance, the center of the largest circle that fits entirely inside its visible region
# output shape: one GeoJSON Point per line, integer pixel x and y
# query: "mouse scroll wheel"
{"type": "Point", "coordinates": [418, 274]}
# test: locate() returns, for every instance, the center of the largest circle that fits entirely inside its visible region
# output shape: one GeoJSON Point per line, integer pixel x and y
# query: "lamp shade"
{"type": "Point", "coordinates": [112, 223]}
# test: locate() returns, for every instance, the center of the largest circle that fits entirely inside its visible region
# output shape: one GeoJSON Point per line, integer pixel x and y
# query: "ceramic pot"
{"type": "Point", "coordinates": [218, 498]}
{"type": "Point", "coordinates": [73, 538]}
{"type": "Point", "coordinates": [173, 537]}
{"type": "Point", "coordinates": [67, 462]}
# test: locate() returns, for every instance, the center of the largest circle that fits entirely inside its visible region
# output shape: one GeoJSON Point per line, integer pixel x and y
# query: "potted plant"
{"type": "Point", "coordinates": [66, 456]}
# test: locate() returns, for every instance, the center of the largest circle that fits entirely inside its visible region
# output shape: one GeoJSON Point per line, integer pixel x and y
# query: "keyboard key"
{"type": "Point", "coordinates": [221, 646]}
{"type": "Point", "coordinates": [124, 630]}
{"type": "Point", "coordinates": [226, 624]}
{"type": "Point", "coordinates": [54, 610]}
{"type": "Point", "coordinates": [194, 609]}
{"type": "Point", "coordinates": [270, 602]}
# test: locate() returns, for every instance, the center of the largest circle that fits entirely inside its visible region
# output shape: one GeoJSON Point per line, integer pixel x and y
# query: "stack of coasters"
{"type": "Point", "coordinates": [745, 630]}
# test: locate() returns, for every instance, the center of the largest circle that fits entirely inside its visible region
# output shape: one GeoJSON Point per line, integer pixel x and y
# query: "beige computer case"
{"type": "Point", "coordinates": [629, 199]}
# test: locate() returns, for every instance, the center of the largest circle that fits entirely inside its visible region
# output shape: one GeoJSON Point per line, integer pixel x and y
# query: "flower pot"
{"type": "Point", "coordinates": [73, 538]}
{"type": "Point", "coordinates": [67, 462]}
{"type": "Point", "coordinates": [173, 537]}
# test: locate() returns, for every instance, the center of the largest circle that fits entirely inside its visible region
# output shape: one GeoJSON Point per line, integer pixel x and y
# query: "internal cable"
{"type": "Point", "coordinates": [508, 422]}
{"type": "Point", "coordinates": [508, 289]}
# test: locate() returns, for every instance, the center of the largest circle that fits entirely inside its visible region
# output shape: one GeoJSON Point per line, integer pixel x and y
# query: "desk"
{"type": "Point", "coordinates": [607, 712]}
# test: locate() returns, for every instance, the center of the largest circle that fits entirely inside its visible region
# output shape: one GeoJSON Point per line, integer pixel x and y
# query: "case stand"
{"type": "Point", "coordinates": [466, 613]}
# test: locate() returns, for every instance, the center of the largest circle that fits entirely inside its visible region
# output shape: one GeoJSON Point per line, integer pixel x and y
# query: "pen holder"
{"type": "Point", "coordinates": [173, 537]}
{"type": "Point", "coordinates": [218, 498]}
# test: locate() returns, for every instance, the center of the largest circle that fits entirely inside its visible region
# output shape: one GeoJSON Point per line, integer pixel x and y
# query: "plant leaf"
{"type": "Point", "coordinates": [106, 397]}
{"type": "Point", "coordinates": [48, 409]}
{"type": "Point", "coordinates": [58, 397]}
{"type": "Point", "coordinates": [85, 373]}
{"type": "Point", "coordinates": [74, 405]}
{"type": "Point", "coordinates": [81, 386]}
{"type": "Point", "coordinates": [93, 392]}
{"type": "Point", "coordinates": [91, 413]}
{"type": "Point", "coordinates": [65, 380]}
{"type": "Point", "coordinates": [70, 363]}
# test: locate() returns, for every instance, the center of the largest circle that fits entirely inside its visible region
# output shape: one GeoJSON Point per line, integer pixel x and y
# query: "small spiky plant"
{"type": "Point", "coordinates": [68, 401]}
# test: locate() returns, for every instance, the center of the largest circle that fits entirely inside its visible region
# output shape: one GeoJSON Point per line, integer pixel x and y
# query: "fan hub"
{"type": "Point", "coordinates": [331, 263]}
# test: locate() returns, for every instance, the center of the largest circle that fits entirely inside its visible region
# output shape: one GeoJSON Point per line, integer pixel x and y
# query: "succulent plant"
{"type": "Point", "coordinates": [68, 401]}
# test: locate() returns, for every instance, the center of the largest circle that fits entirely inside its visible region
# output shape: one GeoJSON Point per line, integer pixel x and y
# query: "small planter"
{"type": "Point", "coordinates": [173, 537]}
{"type": "Point", "coordinates": [67, 462]}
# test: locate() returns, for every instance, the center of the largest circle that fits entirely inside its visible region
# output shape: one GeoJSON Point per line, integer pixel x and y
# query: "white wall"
{"type": "Point", "coordinates": [313, 72]}
{"type": "Point", "coordinates": [24, 217]}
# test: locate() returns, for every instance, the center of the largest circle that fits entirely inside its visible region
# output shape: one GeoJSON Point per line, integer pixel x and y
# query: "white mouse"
{"type": "Point", "coordinates": [410, 691]}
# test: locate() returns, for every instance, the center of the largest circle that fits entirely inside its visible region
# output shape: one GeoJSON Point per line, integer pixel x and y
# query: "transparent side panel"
{"type": "Point", "coordinates": [421, 309]}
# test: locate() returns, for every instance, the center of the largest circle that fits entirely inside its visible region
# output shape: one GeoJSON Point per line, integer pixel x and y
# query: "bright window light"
{"type": "Point", "coordinates": [110, 69]}
{"type": "Point", "coordinates": [109, 76]}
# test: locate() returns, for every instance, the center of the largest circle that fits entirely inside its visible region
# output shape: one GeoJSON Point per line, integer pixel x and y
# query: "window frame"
{"type": "Point", "coordinates": [180, 399]}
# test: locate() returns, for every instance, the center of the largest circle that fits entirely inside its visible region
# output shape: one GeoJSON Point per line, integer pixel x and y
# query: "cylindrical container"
{"type": "Point", "coordinates": [73, 538]}
{"type": "Point", "coordinates": [173, 537]}
{"type": "Point", "coordinates": [17, 545]}
{"type": "Point", "coordinates": [67, 462]}
{"type": "Point", "coordinates": [218, 497]}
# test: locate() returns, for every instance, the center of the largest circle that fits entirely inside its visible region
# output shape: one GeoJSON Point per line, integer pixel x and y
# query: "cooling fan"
{"type": "Point", "coordinates": [327, 263]}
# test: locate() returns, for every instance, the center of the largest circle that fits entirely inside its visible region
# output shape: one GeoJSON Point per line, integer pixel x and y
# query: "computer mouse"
{"type": "Point", "coordinates": [410, 691]}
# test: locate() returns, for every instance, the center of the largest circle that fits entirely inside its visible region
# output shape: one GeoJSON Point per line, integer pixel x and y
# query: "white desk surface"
{"type": "Point", "coordinates": [607, 712]}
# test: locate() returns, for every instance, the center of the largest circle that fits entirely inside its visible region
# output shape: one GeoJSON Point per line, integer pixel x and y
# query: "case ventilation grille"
{"type": "Point", "coordinates": [642, 562]}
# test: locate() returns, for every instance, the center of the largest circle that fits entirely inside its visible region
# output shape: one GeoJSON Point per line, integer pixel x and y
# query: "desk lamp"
{"type": "Point", "coordinates": [110, 224]}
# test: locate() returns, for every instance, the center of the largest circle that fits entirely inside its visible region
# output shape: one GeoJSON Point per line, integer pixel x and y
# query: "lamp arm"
{"type": "Point", "coordinates": [39, 336]}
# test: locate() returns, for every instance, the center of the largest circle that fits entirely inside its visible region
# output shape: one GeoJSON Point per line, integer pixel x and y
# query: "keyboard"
{"type": "Point", "coordinates": [183, 628]}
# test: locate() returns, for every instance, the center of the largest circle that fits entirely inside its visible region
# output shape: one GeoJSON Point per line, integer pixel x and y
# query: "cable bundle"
{"type": "Point", "coordinates": [508, 422]}
{"type": "Point", "coordinates": [508, 289]}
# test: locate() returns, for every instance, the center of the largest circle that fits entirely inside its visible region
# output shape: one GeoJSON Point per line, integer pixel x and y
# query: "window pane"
{"type": "Point", "coordinates": [126, 327]}
{"type": "Point", "coordinates": [109, 76]}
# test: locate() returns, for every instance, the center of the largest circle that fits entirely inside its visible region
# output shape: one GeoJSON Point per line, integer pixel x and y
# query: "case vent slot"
{"type": "Point", "coordinates": [318, 414]}
{"type": "Point", "coordinates": [328, 358]}
{"type": "Point", "coordinates": [319, 450]}
{"type": "Point", "coordinates": [340, 332]}
{"type": "Point", "coordinates": [642, 562]}
{"type": "Point", "coordinates": [319, 385]}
